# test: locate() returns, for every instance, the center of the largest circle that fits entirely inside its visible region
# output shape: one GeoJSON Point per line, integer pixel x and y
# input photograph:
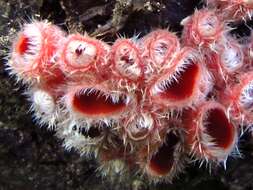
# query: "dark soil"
{"type": "Point", "coordinates": [32, 157]}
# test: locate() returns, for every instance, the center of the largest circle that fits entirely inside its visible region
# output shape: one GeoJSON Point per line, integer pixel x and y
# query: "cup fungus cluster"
{"type": "Point", "coordinates": [142, 105]}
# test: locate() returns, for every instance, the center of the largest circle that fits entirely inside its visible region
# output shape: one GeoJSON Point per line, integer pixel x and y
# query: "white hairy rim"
{"type": "Point", "coordinates": [231, 58]}
{"type": "Point", "coordinates": [208, 25]}
{"type": "Point", "coordinates": [43, 102]}
{"type": "Point", "coordinates": [246, 97]}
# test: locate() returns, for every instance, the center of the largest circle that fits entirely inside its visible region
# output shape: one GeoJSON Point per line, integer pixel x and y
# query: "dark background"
{"type": "Point", "coordinates": [33, 158]}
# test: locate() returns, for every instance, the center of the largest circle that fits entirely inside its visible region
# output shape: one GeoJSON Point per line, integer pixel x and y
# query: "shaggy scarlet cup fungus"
{"type": "Point", "coordinates": [83, 54]}
{"type": "Point", "coordinates": [239, 99]}
{"type": "Point", "coordinates": [97, 102]}
{"type": "Point", "coordinates": [203, 28]}
{"type": "Point", "coordinates": [182, 81]}
{"type": "Point", "coordinates": [140, 126]}
{"type": "Point", "coordinates": [158, 47]}
{"type": "Point", "coordinates": [231, 55]}
{"type": "Point", "coordinates": [45, 108]}
{"type": "Point", "coordinates": [167, 158]}
{"type": "Point", "coordinates": [92, 103]}
{"type": "Point", "coordinates": [84, 138]}
{"type": "Point", "coordinates": [34, 53]}
{"type": "Point", "coordinates": [125, 60]}
{"type": "Point", "coordinates": [210, 135]}
{"type": "Point", "coordinates": [233, 9]}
